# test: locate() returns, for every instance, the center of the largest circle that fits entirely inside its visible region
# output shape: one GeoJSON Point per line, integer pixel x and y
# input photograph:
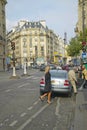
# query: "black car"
{"type": "Point", "coordinates": [42, 67]}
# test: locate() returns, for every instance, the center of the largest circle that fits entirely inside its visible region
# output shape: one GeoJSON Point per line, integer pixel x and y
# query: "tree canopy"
{"type": "Point", "coordinates": [74, 47]}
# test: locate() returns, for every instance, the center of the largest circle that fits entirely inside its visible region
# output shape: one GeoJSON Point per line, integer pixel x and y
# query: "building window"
{"type": "Point", "coordinates": [42, 48]}
{"type": "Point", "coordinates": [30, 42]}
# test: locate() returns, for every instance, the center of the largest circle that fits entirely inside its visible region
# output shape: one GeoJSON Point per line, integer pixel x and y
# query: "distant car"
{"type": "Point", "coordinates": [66, 67]}
{"type": "Point", "coordinates": [52, 66]}
{"type": "Point", "coordinates": [42, 67]}
{"type": "Point", "coordinates": [18, 67]}
{"type": "Point", "coordinates": [35, 67]}
{"type": "Point", "coordinates": [59, 81]}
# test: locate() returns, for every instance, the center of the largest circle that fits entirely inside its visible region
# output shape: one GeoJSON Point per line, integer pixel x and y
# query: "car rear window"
{"type": "Point", "coordinates": [58, 75]}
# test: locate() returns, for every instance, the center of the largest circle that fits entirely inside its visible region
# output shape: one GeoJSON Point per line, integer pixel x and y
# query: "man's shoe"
{"type": "Point", "coordinates": [75, 93]}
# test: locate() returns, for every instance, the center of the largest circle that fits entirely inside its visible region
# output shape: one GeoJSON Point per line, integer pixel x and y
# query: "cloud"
{"type": "Point", "coordinates": [10, 24]}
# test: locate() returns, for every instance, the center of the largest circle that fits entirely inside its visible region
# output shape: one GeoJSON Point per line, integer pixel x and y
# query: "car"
{"type": "Point", "coordinates": [52, 66]}
{"type": "Point", "coordinates": [59, 81]}
{"type": "Point", "coordinates": [66, 67]}
{"type": "Point", "coordinates": [42, 67]}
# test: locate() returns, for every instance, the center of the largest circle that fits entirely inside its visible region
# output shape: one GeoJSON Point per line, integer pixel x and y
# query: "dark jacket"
{"type": "Point", "coordinates": [47, 82]}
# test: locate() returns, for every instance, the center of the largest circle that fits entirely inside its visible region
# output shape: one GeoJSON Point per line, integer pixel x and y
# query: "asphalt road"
{"type": "Point", "coordinates": [21, 109]}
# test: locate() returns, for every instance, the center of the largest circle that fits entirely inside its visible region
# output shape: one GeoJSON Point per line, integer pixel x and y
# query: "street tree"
{"type": "Point", "coordinates": [74, 47]}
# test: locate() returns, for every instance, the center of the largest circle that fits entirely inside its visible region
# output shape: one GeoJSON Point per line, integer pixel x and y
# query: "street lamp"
{"type": "Point", "coordinates": [65, 41]}
{"type": "Point", "coordinates": [24, 56]}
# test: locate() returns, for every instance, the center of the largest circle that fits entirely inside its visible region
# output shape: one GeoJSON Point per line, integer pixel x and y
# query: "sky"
{"type": "Point", "coordinates": [60, 15]}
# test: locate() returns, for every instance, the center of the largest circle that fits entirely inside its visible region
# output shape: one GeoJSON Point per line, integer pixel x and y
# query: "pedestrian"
{"type": "Point", "coordinates": [47, 85]}
{"type": "Point", "coordinates": [73, 79]}
{"type": "Point", "coordinates": [84, 76]}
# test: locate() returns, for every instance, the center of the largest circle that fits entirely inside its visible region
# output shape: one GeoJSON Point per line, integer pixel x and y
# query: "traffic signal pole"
{"type": "Point", "coordinates": [14, 76]}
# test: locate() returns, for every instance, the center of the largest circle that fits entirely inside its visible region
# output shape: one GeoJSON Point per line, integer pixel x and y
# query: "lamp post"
{"type": "Point", "coordinates": [25, 57]}
{"type": "Point", "coordinates": [83, 17]}
{"type": "Point", "coordinates": [65, 35]}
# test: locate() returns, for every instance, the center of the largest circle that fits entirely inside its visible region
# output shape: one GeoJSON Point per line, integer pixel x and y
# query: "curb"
{"type": "Point", "coordinates": [80, 120]}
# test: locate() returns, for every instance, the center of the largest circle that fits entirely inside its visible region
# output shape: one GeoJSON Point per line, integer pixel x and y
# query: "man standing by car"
{"type": "Point", "coordinates": [72, 78]}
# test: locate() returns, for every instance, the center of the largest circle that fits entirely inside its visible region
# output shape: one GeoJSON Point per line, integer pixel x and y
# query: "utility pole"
{"type": "Point", "coordinates": [83, 17]}
{"type": "Point", "coordinates": [65, 41]}
{"type": "Point", "coordinates": [83, 25]}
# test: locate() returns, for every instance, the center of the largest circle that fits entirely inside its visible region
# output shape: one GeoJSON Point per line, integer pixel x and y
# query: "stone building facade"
{"type": "Point", "coordinates": [82, 16]}
{"type": "Point", "coordinates": [2, 34]}
{"type": "Point", "coordinates": [34, 43]}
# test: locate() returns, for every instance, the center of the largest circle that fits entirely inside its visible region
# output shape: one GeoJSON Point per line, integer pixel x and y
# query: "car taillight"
{"type": "Point", "coordinates": [42, 81]}
{"type": "Point", "coordinates": [66, 83]}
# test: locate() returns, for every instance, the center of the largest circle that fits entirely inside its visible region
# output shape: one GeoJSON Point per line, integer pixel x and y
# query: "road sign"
{"type": "Point", "coordinates": [84, 54]}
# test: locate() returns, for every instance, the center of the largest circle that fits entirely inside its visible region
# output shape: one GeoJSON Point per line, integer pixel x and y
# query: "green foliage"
{"type": "Point", "coordinates": [75, 44]}
{"type": "Point", "coordinates": [74, 47]}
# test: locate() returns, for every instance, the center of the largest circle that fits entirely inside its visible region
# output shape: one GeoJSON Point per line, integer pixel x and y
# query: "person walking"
{"type": "Point", "coordinates": [84, 76]}
{"type": "Point", "coordinates": [47, 85]}
{"type": "Point", "coordinates": [73, 79]}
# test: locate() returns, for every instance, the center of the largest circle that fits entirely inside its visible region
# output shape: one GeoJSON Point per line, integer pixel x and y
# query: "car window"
{"type": "Point", "coordinates": [58, 75]}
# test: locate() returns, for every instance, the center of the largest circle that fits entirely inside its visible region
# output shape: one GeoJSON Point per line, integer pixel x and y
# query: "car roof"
{"type": "Point", "coordinates": [60, 71]}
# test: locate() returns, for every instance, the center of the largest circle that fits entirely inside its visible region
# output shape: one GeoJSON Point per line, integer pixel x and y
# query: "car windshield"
{"type": "Point", "coordinates": [58, 74]}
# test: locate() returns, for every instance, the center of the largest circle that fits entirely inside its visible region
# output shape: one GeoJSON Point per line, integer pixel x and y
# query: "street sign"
{"type": "Point", "coordinates": [84, 54]}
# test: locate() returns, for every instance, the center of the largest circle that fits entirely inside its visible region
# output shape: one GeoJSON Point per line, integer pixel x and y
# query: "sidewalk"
{"type": "Point", "coordinates": [80, 120]}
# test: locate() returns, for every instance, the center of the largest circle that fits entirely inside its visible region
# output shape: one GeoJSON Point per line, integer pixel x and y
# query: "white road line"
{"type": "Point", "coordinates": [13, 123]}
{"type": "Point", "coordinates": [32, 117]}
{"type": "Point", "coordinates": [23, 85]}
{"type": "Point", "coordinates": [57, 107]}
{"type": "Point", "coordinates": [35, 102]}
{"type": "Point", "coordinates": [23, 114]}
{"type": "Point", "coordinates": [29, 77]}
{"type": "Point", "coordinates": [36, 78]}
{"type": "Point", "coordinates": [1, 124]}
{"type": "Point", "coordinates": [29, 108]}
{"type": "Point", "coordinates": [8, 90]}
{"type": "Point", "coordinates": [6, 120]}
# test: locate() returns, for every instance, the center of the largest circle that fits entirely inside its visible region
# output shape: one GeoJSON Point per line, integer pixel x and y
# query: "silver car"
{"type": "Point", "coordinates": [59, 81]}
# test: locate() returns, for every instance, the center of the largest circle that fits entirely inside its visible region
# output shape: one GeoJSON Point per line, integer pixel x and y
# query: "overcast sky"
{"type": "Point", "coordinates": [60, 15]}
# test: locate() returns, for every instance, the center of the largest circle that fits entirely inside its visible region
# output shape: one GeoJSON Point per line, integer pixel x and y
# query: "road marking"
{"type": "Point", "coordinates": [23, 114]}
{"type": "Point", "coordinates": [23, 85]}
{"type": "Point", "coordinates": [36, 77]}
{"type": "Point", "coordinates": [1, 124]}
{"type": "Point", "coordinates": [57, 107]}
{"type": "Point", "coordinates": [6, 120]}
{"type": "Point", "coordinates": [32, 117]}
{"type": "Point", "coordinates": [13, 123]}
{"type": "Point", "coordinates": [35, 103]}
{"type": "Point", "coordinates": [29, 108]}
{"type": "Point", "coordinates": [8, 90]}
{"type": "Point", "coordinates": [29, 77]}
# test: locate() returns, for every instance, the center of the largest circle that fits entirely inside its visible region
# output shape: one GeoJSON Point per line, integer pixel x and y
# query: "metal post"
{"type": "Point", "coordinates": [14, 73]}
{"type": "Point", "coordinates": [65, 35]}
{"type": "Point", "coordinates": [83, 27]}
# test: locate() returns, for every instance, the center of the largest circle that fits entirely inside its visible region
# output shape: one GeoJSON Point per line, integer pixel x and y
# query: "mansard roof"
{"type": "Point", "coordinates": [27, 25]}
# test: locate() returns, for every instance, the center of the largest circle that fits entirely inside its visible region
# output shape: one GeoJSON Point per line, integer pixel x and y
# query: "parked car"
{"type": "Point", "coordinates": [59, 81]}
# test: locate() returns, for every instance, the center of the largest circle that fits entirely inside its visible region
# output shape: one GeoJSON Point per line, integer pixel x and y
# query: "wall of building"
{"type": "Point", "coordinates": [2, 34]}
{"type": "Point", "coordinates": [33, 42]}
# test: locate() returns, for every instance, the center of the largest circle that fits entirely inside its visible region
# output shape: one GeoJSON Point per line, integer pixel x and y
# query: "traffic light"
{"type": "Point", "coordinates": [83, 43]}
{"type": "Point", "coordinates": [13, 45]}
